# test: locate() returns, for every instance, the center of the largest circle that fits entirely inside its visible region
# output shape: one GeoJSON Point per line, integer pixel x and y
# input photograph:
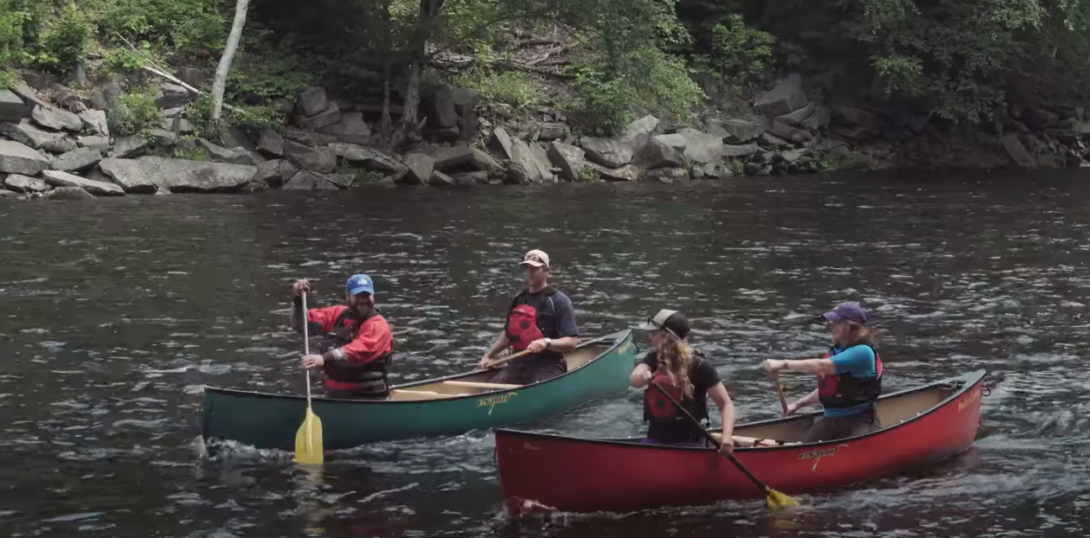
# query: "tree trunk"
{"type": "Point", "coordinates": [425, 25]}
{"type": "Point", "coordinates": [220, 83]}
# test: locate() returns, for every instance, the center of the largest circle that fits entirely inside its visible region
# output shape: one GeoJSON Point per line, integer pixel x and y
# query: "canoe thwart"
{"type": "Point", "coordinates": [740, 441]}
{"type": "Point", "coordinates": [422, 394]}
{"type": "Point", "coordinates": [477, 384]}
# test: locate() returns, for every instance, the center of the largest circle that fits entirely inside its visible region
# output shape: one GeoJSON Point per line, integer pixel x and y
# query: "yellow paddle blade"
{"type": "Point", "coordinates": [308, 440]}
{"type": "Point", "coordinates": [777, 500]}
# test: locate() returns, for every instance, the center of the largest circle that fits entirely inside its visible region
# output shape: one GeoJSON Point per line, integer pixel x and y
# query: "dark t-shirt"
{"type": "Point", "coordinates": [565, 326]}
{"type": "Point", "coordinates": [678, 429]}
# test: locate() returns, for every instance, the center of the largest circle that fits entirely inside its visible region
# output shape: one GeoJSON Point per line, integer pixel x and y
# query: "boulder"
{"type": "Point", "coordinates": [744, 150]}
{"type": "Point", "coordinates": [64, 179]}
{"type": "Point", "coordinates": [674, 140]}
{"type": "Point", "coordinates": [1016, 150]}
{"type": "Point", "coordinates": [96, 120]}
{"type": "Point", "coordinates": [20, 183]}
{"type": "Point", "coordinates": [370, 159]}
{"type": "Point", "coordinates": [320, 160]}
{"type": "Point", "coordinates": [439, 109]}
{"type": "Point", "coordinates": [791, 134]}
{"type": "Point", "coordinates": [464, 99]}
{"type": "Point", "coordinates": [274, 173]}
{"type": "Point", "coordinates": [4, 193]}
{"type": "Point", "coordinates": [818, 120]}
{"type": "Point", "coordinates": [31, 135]}
{"type": "Point", "coordinates": [147, 174]}
{"type": "Point", "coordinates": [173, 96]}
{"type": "Point", "coordinates": [770, 140]}
{"type": "Point", "coordinates": [100, 143]}
{"type": "Point", "coordinates": [739, 131]}
{"type": "Point", "coordinates": [667, 175]}
{"type": "Point", "coordinates": [852, 116]}
{"type": "Point", "coordinates": [193, 76]}
{"type": "Point", "coordinates": [608, 152]}
{"type": "Point", "coordinates": [532, 166]}
{"type": "Point", "coordinates": [70, 193]}
{"type": "Point", "coordinates": [231, 156]}
{"type": "Point", "coordinates": [793, 155]}
{"type": "Point", "coordinates": [16, 158]}
{"type": "Point", "coordinates": [501, 143]}
{"type": "Point", "coordinates": [439, 179]}
{"type": "Point", "coordinates": [702, 147]}
{"type": "Point", "coordinates": [78, 159]}
{"type": "Point", "coordinates": [795, 119]}
{"type": "Point", "coordinates": [421, 168]}
{"type": "Point", "coordinates": [552, 131]}
{"type": "Point", "coordinates": [640, 128]}
{"type": "Point", "coordinates": [313, 101]}
{"type": "Point", "coordinates": [309, 139]}
{"type": "Point", "coordinates": [164, 138]}
{"type": "Point", "coordinates": [129, 146]}
{"type": "Point", "coordinates": [716, 171]}
{"type": "Point", "coordinates": [467, 179]}
{"type": "Point", "coordinates": [12, 107]}
{"type": "Point", "coordinates": [57, 119]}
{"type": "Point", "coordinates": [568, 158]}
{"type": "Point", "coordinates": [446, 134]}
{"type": "Point", "coordinates": [462, 157]}
{"type": "Point", "coordinates": [468, 126]}
{"type": "Point", "coordinates": [351, 129]}
{"type": "Point", "coordinates": [309, 181]}
{"type": "Point", "coordinates": [656, 154]}
{"type": "Point", "coordinates": [271, 143]}
{"type": "Point", "coordinates": [327, 118]}
{"type": "Point", "coordinates": [786, 97]}
{"type": "Point", "coordinates": [627, 172]}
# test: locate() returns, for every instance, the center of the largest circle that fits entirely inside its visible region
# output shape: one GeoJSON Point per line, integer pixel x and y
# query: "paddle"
{"type": "Point", "coordinates": [783, 400]}
{"type": "Point", "coordinates": [509, 358]}
{"type": "Point", "coordinates": [308, 440]}
{"type": "Point", "coordinates": [773, 499]}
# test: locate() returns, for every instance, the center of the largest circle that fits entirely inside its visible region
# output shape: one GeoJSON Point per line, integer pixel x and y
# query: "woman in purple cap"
{"type": "Point", "coordinates": [849, 378]}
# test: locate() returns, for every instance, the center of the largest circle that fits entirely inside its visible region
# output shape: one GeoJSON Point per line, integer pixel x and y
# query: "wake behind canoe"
{"type": "Point", "coordinates": [435, 407]}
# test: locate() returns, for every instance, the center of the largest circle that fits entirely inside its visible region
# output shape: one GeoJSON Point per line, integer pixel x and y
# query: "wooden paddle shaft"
{"type": "Point", "coordinates": [306, 342]}
{"type": "Point", "coordinates": [783, 399]}
{"type": "Point", "coordinates": [510, 358]}
{"type": "Point", "coordinates": [709, 437]}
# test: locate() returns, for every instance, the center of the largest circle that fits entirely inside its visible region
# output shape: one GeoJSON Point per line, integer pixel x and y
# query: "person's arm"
{"type": "Point", "coordinates": [373, 341]}
{"type": "Point", "coordinates": [566, 326]}
{"type": "Point", "coordinates": [856, 359]}
{"type": "Point", "coordinates": [640, 376]}
{"type": "Point", "coordinates": [721, 398]}
{"type": "Point", "coordinates": [805, 401]}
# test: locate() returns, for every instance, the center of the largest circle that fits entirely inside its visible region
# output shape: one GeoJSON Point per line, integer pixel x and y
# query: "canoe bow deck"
{"type": "Point", "coordinates": [922, 426]}
{"type": "Point", "coordinates": [444, 406]}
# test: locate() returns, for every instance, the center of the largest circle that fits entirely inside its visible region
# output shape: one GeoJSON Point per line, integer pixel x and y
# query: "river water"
{"type": "Point", "coordinates": [114, 314]}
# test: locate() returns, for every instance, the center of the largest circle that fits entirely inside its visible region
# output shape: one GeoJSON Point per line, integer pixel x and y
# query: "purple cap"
{"type": "Point", "coordinates": [850, 311]}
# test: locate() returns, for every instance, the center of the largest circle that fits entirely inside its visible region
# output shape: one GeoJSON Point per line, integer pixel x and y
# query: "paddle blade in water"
{"type": "Point", "coordinates": [777, 500]}
{"type": "Point", "coordinates": [308, 440]}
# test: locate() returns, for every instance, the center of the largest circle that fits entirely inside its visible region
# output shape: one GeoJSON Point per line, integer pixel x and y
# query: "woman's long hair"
{"type": "Point", "coordinates": [675, 358]}
{"type": "Point", "coordinates": [858, 334]}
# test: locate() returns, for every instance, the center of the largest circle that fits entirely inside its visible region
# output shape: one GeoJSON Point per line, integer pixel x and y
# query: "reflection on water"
{"type": "Point", "coordinates": [114, 314]}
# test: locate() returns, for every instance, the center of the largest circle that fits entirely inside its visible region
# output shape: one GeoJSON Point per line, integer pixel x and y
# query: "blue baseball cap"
{"type": "Point", "coordinates": [360, 284]}
{"type": "Point", "coordinates": [850, 311]}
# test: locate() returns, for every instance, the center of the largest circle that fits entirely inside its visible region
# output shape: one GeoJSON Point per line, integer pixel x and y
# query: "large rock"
{"type": "Point", "coordinates": [656, 154]}
{"type": "Point", "coordinates": [795, 119]}
{"type": "Point", "coordinates": [501, 143]}
{"type": "Point", "coordinates": [852, 116]}
{"type": "Point", "coordinates": [1016, 150]}
{"type": "Point", "coordinates": [531, 165]}
{"type": "Point", "coordinates": [19, 183]}
{"type": "Point", "coordinates": [4, 193]}
{"type": "Point", "coordinates": [818, 120]}
{"type": "Point", "coordinates": [271, 143]}
{"type": "Point", "coordinates": [78, 159]}
{"type": "Point", "coordinates": [439, 109]}
{"type": "Point", "coordinates": [57, 119]}
{"type": "Point", "coordinates": [743, 150]}
{"type": "Point", "coordinates": [469, 179]}
{"type": "Point", "coordinates": [370, 159]}
{"type": "Point", "coordinates": [351, 129]}
{"type": "Point", "coordinates": [463, 157]}
{"type": "Point", "coordinates": [173, 96]}
{"type": "Point", "coordinates": [628, 172]}
{"type": "Point", "coordinates": [792, 134]}
{"type": "Point", "coordinates": [64, 179]}
{"type": "Point", "coordinates": [275, 173]}
{"type": "Point", "coordinates": [786, 97]}
{"type": "Point", "coordinates": [70, 193]}
{"type": "Point", "coordinates": [464, 99]}
{"type": "Point", "coordinates": [702, 147]}
{"type": "Point", "coordinates": [165, 139]}
{"type": "Point", "coordinates": [313, 101]}
{"type": "Point", "coordinates": [421, 168]}
{"type": "Point", "coordinates": [12, 107]}
{"type": "Point", "coordinates": [129, 146]}
{"type": "Point", "coordinates": [228, 155]}
{"type": "Point", "coordinates": [674, 140]}
{"type": "Point", "coordinates": [321, 160]}
{"type": "Point", "coordinates": [327, 118]}
{"type": "Point", "coordinates": [100, 143]}
{"type": "Point", "coordinates": [309, 181]}
{"type": "Point", "coordinates": [439, 179]}
{"type": "Point", "coordinates": [739, 131]}
{"type": "Point", "coordinates": [31, 135]}
{"type": "Point", "coordinates": [640, 128]}
{"type": "Point", "coordinates": [569, 159]}
{"type": "Point", "coordinates": [550, 131]}
{"type": "Point", "coordinates": [16, 158]}
{"type": "Point", "coordinates": [667, 175]}
{"type": "Point", "coordinates": [148, 174]}
{"type": "Point", "coordinates": [609, 152]}
{"type": "Point", "coordinates": [96, 120]}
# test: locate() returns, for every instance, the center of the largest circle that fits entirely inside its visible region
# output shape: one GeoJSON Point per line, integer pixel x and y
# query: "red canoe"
{"type": "Point", "coordinates": [553, 472]}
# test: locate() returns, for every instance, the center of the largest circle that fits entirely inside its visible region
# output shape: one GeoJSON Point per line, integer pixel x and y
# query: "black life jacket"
{"type": "Point", "coordinates": [837, 391]}
{"type": "Point", "coordinates": [660, 410]}
{"type": "Point", "coordinates": [367, 380]}
{"type": "Point", "coordinates": [532, 317]}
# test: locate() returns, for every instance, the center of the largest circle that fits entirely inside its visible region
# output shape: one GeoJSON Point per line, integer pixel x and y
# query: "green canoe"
{"type": "Point", "coordinates": [445, 406]}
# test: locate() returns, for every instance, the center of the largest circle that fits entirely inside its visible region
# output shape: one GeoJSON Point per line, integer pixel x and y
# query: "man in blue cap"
{"type": "Point", "coordinates": [357, 344]}
{"type": "Point", "coordinates": [849, 378]}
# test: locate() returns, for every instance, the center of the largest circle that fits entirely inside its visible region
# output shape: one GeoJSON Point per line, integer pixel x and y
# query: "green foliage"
{"type": "Point", "coordinates": [511, 88]}
{"type": "Point", "coordinates": [199, 112]}
{"type": "Point", "coordinates": [601, 102]}
{"type": "Point", "coordinates": [848, 160]}
{"type": "Point", "coordinates": [738, 51]}
{"type": "Point", "coordinates": [587, 175]}
{"type": "Point", "coordinates": [359, 175]}
{"type": "Point", "coordinates": [188, 28]}
{"type": "Point", "coordinates": [136, 114]}
{"type": "Point", "coordinates": [11, 40]}
{"type": "Point", "coordinates": [64, 40]}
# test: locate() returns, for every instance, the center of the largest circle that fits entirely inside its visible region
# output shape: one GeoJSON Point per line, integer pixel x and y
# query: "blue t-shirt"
{"type": "Point", "coordinates": [859, 362]}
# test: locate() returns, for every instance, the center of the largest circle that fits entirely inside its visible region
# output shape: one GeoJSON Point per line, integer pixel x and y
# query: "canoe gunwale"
{"type": "Point", "coordinates": [618, 337]}
{"type": "Point", "coordinates": [961, 385]}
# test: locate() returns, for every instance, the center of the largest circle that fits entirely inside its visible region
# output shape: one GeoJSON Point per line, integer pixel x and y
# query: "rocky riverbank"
{"type": "Point", "coordinates": [56, 143]}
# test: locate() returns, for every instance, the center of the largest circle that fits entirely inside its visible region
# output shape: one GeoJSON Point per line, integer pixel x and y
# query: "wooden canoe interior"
{"type": "Point", "coordinates": [891, 411]}
{"type": "Point", "coordinates": [480, 383]}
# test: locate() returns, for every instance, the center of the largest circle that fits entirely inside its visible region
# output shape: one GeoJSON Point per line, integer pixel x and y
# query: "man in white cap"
{"type": "Point", "coordinates": [542, 319]}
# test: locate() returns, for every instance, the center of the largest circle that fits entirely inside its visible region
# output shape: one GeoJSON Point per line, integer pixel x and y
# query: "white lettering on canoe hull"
{"type": "Point", "coordinates": [492, 401]}
{"type": "Point", "coordinates": [816, 455]}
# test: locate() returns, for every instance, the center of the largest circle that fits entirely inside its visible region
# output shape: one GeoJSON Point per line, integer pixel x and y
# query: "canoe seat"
{"type": "Point", "coordinates": [479, 385]}
{"type": "Point", "coordinates": [740, 441]}
{"type": "Point", "coordinates": [421, 394]}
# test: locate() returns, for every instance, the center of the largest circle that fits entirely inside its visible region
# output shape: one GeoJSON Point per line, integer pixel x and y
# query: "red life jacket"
{"type": "Point", "coordinates": [837, 391]}
{"type": "Point", "coordinates": [367, 380]}
{"type": "Point", "coordinates": [666, 421]}
{"type": "Point", "coordinates": [531, 317]}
